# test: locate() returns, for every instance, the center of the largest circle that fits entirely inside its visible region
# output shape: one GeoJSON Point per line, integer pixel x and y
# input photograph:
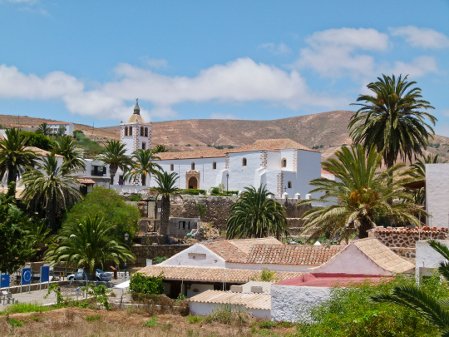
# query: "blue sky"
{"type": "Point", "coordinates": [86, 61]}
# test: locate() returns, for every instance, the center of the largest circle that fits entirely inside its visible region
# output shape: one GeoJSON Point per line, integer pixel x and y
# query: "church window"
{"type": "Point", "coordinates": [244, 162]}
{"type": "Point", "coordinates": [146, 132]}
{"type": "Point", "coordinates": [284, 162]}
{"type": "Point", "coordinates": [144, 145]}
{"type": "Point", "coordinates": [289, 184]}
{"type": "Point", "coordinates": [214, 166]}
{"type": "Point", "coordinates": [172, 167]}
{"type": "Point", "coordinates": [141, 131]}
{"type": "Point", "coordinates": [126, 131]}
{"type": "Point", "coordinates": [130, 131]}
{"type": "Point", "coordinates": [192, 166]}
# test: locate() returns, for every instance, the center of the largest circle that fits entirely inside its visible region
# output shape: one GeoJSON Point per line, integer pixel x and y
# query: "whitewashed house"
{"type": "Point", "coordinates": [437, 194]}
{"type": "Point", "coordinates": [63, 128]}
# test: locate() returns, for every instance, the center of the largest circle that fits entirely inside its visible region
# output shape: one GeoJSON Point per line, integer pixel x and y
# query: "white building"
{"type": "Point", "coordinates": [63, 128]}
{"type": "Point", "coordinates": [135, 134]}
{"type": "Point", "coordinates": [437, 195]}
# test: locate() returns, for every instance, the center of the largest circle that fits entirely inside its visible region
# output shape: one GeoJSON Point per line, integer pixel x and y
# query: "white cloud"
{"type": "Point", "coordinates": [241, 80]}
{"type": "Point", "coordinates": [421, 37]}
{"type": "Point", "coordinates": [336, 52]}
{"type": "Point", "coordinates": [221, 115]}
{"type": "Point", "coordinates": [419, 66]}
{"type": "Point", "coordinates": [276, 48]}
{"type": "Point", "coordinates": [157, 63]}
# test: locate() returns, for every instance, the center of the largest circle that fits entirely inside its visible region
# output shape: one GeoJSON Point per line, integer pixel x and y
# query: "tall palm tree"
{"type": "Point", "coordinates": [360, 195]}
{"type": "Point", "coordinates": [50, 189]}
{"type": "Point", "coordinates": [44, 129]}
{"type": "Point", "coordinates": [393, 119]}
{"type": "Point", "coordinates": [89, 244]}
{"type": "Point", "coordinates": [115, 156]}
{"type": "Point", "coordinates": [143, 165]}
{"type": "Point", "coordinates": [66, 147]}
{"type": "Point", "coordinates": [256, 214]}
{"type": "Point", "coordinates": [166, 186]}
{"type": "Point", "coordinates": [14, 157]}
{"type": "Point", "coordinates": [433, 309]}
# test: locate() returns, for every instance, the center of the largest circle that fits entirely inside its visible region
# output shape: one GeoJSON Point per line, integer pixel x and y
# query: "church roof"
{"type": "Point", "coordinates": [271, 145]}
{"type": "Point", "coordinates": [135, 118]}
{"type": "Point", "coordinates": [206, 153]}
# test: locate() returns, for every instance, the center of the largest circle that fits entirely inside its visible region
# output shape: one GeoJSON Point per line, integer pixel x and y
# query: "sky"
{"type": "Point", "coordinates": [87, 61]}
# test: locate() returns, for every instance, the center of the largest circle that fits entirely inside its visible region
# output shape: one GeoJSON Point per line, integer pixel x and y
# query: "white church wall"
{"type": "Point", "coordinates": [290, 156]}
{"type": "Point", "coordinates": [437, 194]}
{"type": "Point", "coordinates": [243, 176]}
{"type": "Point", "coordinates": [308, 168]}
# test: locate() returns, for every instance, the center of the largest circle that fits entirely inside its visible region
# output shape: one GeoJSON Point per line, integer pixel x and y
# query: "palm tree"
{"type": "Point", "coordinates": [413, 297]}
{"type": "Point", "coordinates": [115, 156]}
{"type": "Point", "coordinates": [166, 186]}
{"type": "Point", "coordinates": [50, 189]}
{"type": "Point", "coordinates": [256, 214]}
{"type": "Point", "coordinates": [14, 157]}
{"type": "Point", "coordinates": [359, 196]}
{"type": "Point", "coordinates": [142, 165]}
{"type": "Point", "coordinates": [89, 244]}
{"type": "Point", "coordinates": [393, 119]}
{"type": "Point", "coordinates": [44, 129]}
{"type": "Point", "coordinates": [66, 147]}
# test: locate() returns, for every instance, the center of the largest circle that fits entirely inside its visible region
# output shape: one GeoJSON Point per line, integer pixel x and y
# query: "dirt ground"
{"type": "Point", "coordinates": [76, 322]}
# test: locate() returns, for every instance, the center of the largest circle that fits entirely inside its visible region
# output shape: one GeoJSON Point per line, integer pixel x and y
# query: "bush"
{"type": "Point", "coordinates": [192, 191]}
{"type": "Point", "coordinates": [20, 308]}
{"type": "Point", "coordinates": [90, 147]}
{"type": "Point", "coordinates": [267, 275]}
{"type": "Point", "coordinates": [38, 140]}
{"type": "Point", "coordinates": [159, 259]}
{"type": "Point", "coordinates": [350, 312]}
{"type": "Point", "coordinates": [111, 207]}
{"type": "Point", "coordinates": [148, 285]}
{"type": "Point", "coordinates": [151, 323]}
{"type": "Point", "coordinates": [191, 319]}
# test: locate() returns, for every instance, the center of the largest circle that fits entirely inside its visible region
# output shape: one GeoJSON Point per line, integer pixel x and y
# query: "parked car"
{"type": "Point", "coordinates": [81, 275]}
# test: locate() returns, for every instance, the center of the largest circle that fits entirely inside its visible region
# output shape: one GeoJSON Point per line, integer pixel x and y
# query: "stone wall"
{"type": "Point", "coordinates": [402, 240]}
{"type": "Point", "coordinates": [143, 252]}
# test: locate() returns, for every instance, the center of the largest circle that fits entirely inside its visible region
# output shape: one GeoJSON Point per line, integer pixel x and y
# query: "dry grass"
{"type": "Point", "coordinates": [76, 322]}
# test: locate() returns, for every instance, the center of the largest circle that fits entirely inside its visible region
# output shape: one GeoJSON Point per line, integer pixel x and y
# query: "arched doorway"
{"type": "Point", "coordinates": [193, 183]}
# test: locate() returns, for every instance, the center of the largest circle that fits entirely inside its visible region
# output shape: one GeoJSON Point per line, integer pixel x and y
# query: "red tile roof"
{"type": "Point", "coordinates": [304, 255]}
{"type": "Point", "coordinates": [271, 145]}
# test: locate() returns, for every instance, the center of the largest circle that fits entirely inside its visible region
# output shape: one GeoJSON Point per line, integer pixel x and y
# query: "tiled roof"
{"type": "Point", "coordinates": [410, 230]}
{"type": "Point", "coordinates": [304, 255]}
{"type": "Point", "coordinates": [237, 250]}
{"type": "Point", "coordinates": [249, 301]}
{"type": "Point", "coordinates": [200, 274]}
{"type": "Point", "coordinates": [86, 181]}
{"type": "Point", "coordinates": [40, 152]}
{"type": "Point", "coordinates": [271, 145]}
{"type": "Point", "coordinates": [206, 153]}
{"type": "Point", "coordinates": [383, 256]}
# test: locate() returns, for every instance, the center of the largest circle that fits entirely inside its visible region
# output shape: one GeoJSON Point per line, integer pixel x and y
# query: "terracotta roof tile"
{"type": "Point", "coordinates": [304, 255]}
{"type": "Point", "coordinates": [200, 274]}
{"type": "Point", "coordinates": [271, 145]}
{"type": "Point", "coordinates": [206, 153]}
{"type": "Point", "coordinates": [249, 301]}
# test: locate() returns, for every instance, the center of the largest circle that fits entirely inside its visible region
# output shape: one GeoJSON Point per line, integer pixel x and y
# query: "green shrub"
{"type": "Point", "coordinates": [19, 308]}
{"type": "Point", "coordinates": [159, 259]}
{"type": "Point", "coordinates": [148, 285]}
{"type": "Point", "coordinates": [350, 312]}
{"type": "Point", "coordinates": [267, 325]}
{"type": "Point", "coordinates": [15, 323]}
{"type": "Point", "coordinates": [93, 318]}
{"type": "Point", "coordinates": [151, 323]}
{"type": "Point", "coordinates": [135, 197]}
{"type": "Point", "coordinates": [38, 140]}
{"type": "Point", "coordinates": [192, 319]}
{"type": "Point", "coordinates": [267, 275]}
{"type": "Point", "coordinates": [192, 191]}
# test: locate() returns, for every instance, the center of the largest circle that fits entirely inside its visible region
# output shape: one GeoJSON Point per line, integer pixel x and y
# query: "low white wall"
{"type": "Point", "coordinates": [427, 257]}
{"type": "Point", "coordinates": [294, 303]}
{"type": "Point", "coordinates": [205, 309]}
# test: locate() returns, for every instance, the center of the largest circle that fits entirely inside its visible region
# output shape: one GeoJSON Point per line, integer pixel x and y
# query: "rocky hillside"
{"type": "Point", "coordinates": [325, 131]}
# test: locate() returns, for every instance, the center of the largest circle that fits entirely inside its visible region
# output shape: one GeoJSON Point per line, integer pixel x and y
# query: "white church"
{"type": "Point", "coordinates": [283, 165]}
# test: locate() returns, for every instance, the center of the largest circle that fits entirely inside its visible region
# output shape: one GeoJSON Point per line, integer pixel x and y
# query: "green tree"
{"type": "Point", "coordinates": [111, 207]}
{"type": "Point", "coordinates": [38, 140]}
{"type": "Point", "coordinates": [14, 157]}
{"type": "Point", "coordinates": [17, 245]}
{"type": "Point", "coordinates": [115, 156]}
{"type": "Point", "coordinates": [89, 244]}
{"type": "Point", "coordinates": [256, 214]}
{"type": "Point", "coordinates": [393, 118]}
{"type": "Point", "coordinates": [142, 165]}
{"type": "Point", "coordinates": [428, 305]}
{"type": "Point", "coordinates": [166, 186]}
{"type": "Point", "coordinates": [44, 129]}
{"type": "Point", "coordinates": [359, 197]}
{"type": "Point", "coordinates": [66, 147]}
{"type": "Point", "coordinates": [50, 190]}
{"type": "Point", "coordinates": [159, 148]}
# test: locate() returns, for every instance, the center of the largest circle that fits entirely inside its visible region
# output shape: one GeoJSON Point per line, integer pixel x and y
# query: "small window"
{"type": "Point", "coordinates": [144, 145]}
{"type": "Point", "coordinates": [172, 167]}
{"type": "Point", "coordinates": [141, 131]}
{"type": "Point", "coordinates": [126, 131]}
{"type": "Point", "coordinates": [284, 162]}
{"type": "Point", "coordinates": [192, 166]}
{"type": "Point", "coordinates": [289, 184]}
{"type": "Point", "coordinates": [214, 166]}
{"type": "Point", "coordinates": [130, 131]}
{"type": "Point", "coordinates": [244, 162]}
{"type": "Point", "coordinates": [146, 132]}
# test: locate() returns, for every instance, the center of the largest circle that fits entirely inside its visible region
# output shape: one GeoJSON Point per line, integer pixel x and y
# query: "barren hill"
{"type": "Point", "coordinates": [325, 131]}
